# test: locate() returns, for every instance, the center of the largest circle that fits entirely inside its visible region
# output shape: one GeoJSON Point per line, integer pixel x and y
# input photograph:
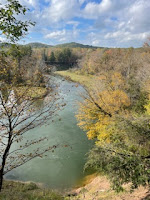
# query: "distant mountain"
{"type": "Point", "coordinates": [74, 45]}
{"type": "Point", "coordinates": [4, 44]}
{"type": "Point", "coordinates": [38, 45]}
{"type": "Point", "coordinates": [65, 45]}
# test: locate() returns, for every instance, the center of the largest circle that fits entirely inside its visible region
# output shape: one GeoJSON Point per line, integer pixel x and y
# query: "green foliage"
{"type": "Point", "coordinates": [64, 58]}
{"type": "Point", "coordinates": [30, 186]}
{"type": "Point", "coordinates": [44, 55]}
{"type": "Point", "coordinates": [38, 45]}
{"type": "Point", "coordinates": [12, 28]}
{"type": "Point", "coordinates": [19, 51]}
{"type": "Point", "coordinates": [120, 167]}
{"type": "Point", "coordinates": [52, 57]}
{"type": "Point", "coordinates": [74, 45]}
{"type": "Point", "coordinates": [60, 57]}
{"type": "Point", "coordinates": [116, 115]}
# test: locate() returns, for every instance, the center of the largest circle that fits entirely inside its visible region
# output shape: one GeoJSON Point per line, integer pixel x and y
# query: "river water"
{"type": "Point", "coordinates": [63, 168]}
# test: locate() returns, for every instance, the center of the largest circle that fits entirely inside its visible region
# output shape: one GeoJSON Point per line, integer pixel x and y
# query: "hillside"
{"type": "Point", "coordinates": [13, 190]}
{"type": "Point", "coordinates": [99, 188]}
{"type": "Point", "coordinates": [65, 45]}
{"type": "Point", "coordinates": [74, 45]}
{"type": "Point", "coordinates": [38, 45]}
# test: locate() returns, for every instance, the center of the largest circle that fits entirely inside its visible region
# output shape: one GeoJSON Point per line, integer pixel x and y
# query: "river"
{"type": "Point", "coordinates": [63, 168]}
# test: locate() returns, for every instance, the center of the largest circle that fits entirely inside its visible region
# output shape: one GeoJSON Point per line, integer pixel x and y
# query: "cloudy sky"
{"type": "Point", "coordinates": [109, 23]}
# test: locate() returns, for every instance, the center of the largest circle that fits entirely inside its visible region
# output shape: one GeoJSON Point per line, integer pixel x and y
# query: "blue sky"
{"type": "Point", "coordinates": [108, 23]}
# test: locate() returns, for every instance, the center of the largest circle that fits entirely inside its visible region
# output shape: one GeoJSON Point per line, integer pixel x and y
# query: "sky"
{"type": "Point", "coordinates": [104, 23]}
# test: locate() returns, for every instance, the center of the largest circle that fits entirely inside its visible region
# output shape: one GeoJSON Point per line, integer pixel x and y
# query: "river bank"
{"type": "Point", "coordinates": [14, 190]}
{"type": "Point", "coordinates": [63, 169]}
{"type": "Point", "coordinates": [99, 188]}
{"type": "Point", "coordinates": [84, 80]}
{"type": "Point", "coordinates": [96, 188]}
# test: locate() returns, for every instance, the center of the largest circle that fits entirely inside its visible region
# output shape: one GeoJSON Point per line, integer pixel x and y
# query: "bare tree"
{"type": "Point", "coordinates": [18, 115]}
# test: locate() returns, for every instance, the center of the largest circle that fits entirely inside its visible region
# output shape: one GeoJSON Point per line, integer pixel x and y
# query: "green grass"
{"type": "Point", "coordinates": [85, 80]}
{"type": "Point", "coordinates": [26, 191]}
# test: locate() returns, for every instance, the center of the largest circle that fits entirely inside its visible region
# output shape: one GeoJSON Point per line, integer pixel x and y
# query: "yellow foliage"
{"type": "Point", "coordinates": [32, 92]}
{"type": "Point", "coordinates": [147, 107]}
{"type": "Point", "coordinates": [117, 80]}
{"type": "Point", "coordinates": [97, 113]}
{"type": "Point", "coordinates": [113, 101]}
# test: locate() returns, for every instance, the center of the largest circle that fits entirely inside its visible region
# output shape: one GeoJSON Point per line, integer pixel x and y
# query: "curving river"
{"type": "Point", "coordinates": [63, 168]}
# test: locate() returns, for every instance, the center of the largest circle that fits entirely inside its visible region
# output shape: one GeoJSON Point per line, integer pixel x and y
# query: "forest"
{"type": "Point", "coordinates": [113, 109]}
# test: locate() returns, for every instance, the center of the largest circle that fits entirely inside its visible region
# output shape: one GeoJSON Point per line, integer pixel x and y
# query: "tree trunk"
{"type": "Point", "coordinates": [1, 178]}
{"type": "Point", "coordinates": [4, 160]}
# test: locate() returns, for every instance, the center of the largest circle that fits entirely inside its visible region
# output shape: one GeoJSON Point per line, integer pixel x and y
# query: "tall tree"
{"type": "Point", "coordinates": [18, 110]}
{"type": "Point", "coordinates": [52, 57]}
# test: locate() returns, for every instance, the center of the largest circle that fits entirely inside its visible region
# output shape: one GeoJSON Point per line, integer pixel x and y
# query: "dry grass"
{"type": "Point", "coordinates": [33, 92]}
{"type": "Point", "coordinates": [99, 189]}
{"type": "Point", "coordinates": [85, 80]}
{"type": "Point", "coordinates": [26, 191]}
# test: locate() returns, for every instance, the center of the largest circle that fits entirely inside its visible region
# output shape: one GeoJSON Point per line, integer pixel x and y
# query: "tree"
{"type": "Point", "coordinates": [44, 55]}
{"type": "Point", "coordinates": [18, 115]}
{"type": "Point", "coordinates": [60, 57]}
{"type": "Point", "coordinates": [10, 26]}
{"type": "Point", "coordinates": [52, 57]}
{"type": "Point", "coordinates": [6, 70]}
{"type": "Point", "coordinates": [18, 52]}
{"type": "Point", "coordinates": [117, 118]}
{"type": "Point", "coordinates": [18, 110]}
{"type": "Point", "coordinates": [67, 55]}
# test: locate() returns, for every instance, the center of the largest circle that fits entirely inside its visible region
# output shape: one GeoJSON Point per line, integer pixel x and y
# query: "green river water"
{"type": "Point", "coordinates": [63, 168]}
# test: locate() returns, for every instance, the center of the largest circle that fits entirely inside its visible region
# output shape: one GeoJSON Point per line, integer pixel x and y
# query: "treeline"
{"type": "Point", "coordinates": [64, 56]}
{"type": "Point", "coordinates": [92, 61]}
{"type": "Point", "coordinates": [21, 66]}
{"type": "Point", "coordinates": [103, 60]}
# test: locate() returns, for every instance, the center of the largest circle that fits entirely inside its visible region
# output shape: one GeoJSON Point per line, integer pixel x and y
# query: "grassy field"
{"type": "Point", "coordinates": [26, 191]}
{"type": "Point", "coordinates": [85, 80]}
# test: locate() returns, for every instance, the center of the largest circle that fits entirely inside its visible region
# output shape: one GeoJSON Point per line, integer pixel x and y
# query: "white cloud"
{"type": "Point", "coordinates": [126, 36]}
{"type": "Point", "coordinates": [74, 23]}
{"type": "Point", "coordinates": [56, 34]}
{"type": "Point", "coordinates": [93, 10]}
{"type": "Point", "coordinates": [62, 35]}
{"type": "Point", "coordinates": [119, 23]}
{"type": "Point", "coordinates": [113, 22]}
{"type": "Point", "coordinates": [60, 10]}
